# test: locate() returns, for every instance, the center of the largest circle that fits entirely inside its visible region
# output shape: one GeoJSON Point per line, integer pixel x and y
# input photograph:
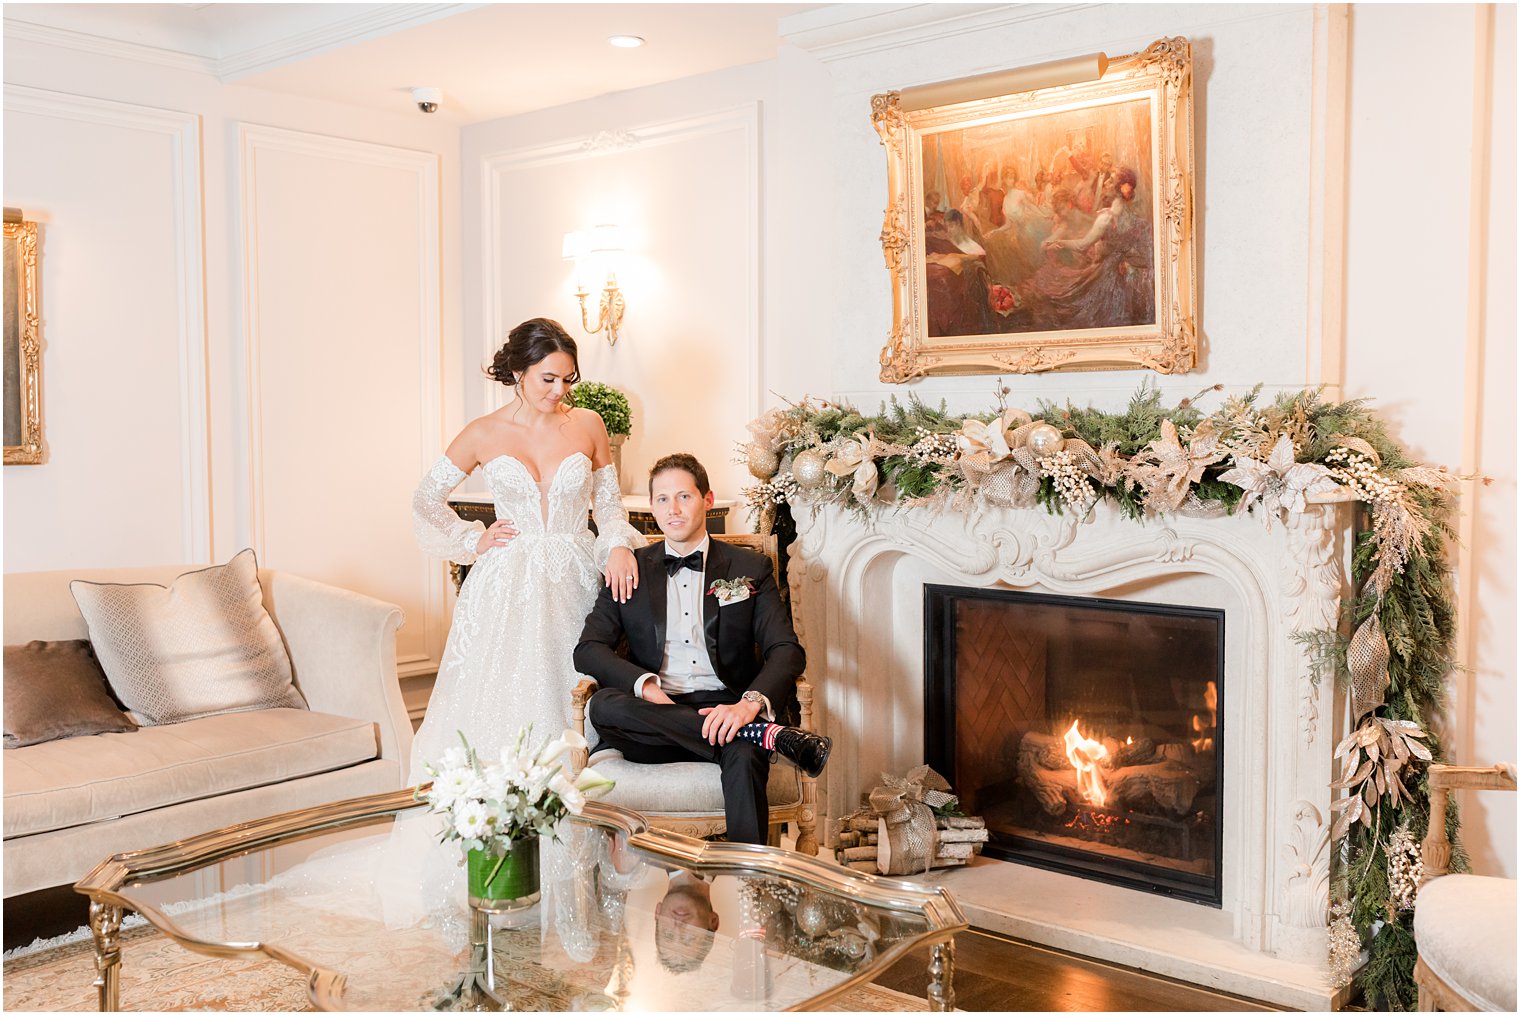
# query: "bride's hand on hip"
{"type": "Point", "coordinates": [622, 573]}
{"type": "Point", "coordinates": [500, 533]}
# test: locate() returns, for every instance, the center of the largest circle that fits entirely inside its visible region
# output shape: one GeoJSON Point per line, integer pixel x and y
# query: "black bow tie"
{"type": "Point", "coordinates": [692, 560]}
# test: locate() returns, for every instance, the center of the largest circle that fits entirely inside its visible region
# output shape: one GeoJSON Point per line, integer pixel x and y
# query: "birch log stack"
{"type": "Point", "coordinates": [859, 842]}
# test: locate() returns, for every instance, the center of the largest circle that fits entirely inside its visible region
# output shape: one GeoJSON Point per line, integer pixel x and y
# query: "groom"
{"type": "Point", "coordinates": [712, 661]}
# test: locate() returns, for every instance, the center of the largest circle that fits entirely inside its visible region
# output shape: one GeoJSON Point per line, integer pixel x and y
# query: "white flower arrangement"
{"type": "Point", "coordinates": [487, 805]}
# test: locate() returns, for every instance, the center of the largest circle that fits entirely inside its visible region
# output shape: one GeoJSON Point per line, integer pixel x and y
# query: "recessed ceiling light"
{"type": "Point", "coordinates": [626, 41]}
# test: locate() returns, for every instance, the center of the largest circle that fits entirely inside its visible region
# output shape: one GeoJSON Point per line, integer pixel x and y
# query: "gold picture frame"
{"type": "Point", "coordinates": [23, 344]}
{"type": "Point", "coordinates": [1044, 229]}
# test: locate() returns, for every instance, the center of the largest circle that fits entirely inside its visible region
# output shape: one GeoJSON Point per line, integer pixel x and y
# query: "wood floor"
{"type": "Point", "coordinates": [994, 973]}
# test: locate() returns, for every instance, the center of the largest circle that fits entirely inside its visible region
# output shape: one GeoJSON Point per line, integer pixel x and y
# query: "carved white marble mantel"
{"type": "Point", "coordinates": [857, 586]}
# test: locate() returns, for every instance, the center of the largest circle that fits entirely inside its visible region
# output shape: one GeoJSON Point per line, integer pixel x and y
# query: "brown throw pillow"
{"type": "Point", "coordinates": [56, 689]}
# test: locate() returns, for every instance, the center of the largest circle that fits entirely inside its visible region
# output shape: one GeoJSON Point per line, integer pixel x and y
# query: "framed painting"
{"type": "Point", "coordinates": [23, 346]}
{"type": "Point", "coordinates": [1045, 229]}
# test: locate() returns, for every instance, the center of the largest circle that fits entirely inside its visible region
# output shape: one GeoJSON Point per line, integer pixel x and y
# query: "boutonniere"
{"type": "Point", "coordinates": [731, 590]}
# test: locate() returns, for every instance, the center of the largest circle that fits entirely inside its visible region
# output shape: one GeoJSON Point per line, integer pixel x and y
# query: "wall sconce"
{"type": "Point", "coordinates": [601, 246]}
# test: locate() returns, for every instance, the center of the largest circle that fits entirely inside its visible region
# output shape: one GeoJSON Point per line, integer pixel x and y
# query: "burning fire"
{"type": "Point", "coordinates": [1205, 739]}
{"type": "Point", "coordinates": [1085, 755]}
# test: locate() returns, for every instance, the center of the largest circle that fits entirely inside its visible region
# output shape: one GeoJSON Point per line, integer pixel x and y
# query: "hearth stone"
{"type": "Point", "coordinates": [1169, 937]}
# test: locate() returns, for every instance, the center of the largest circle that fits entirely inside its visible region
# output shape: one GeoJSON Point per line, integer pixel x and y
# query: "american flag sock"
{"type": "Point", "coordinates": [762, 734]}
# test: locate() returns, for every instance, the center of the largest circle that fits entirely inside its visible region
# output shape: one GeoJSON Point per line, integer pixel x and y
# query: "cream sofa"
{"type": "Point", "coordinates": [71, 803]}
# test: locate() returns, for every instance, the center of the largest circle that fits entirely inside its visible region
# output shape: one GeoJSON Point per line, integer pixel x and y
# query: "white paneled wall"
{"type": "Point", "coordinates": [249, 320]}
{"type": "Point", "coordinates": [688, 353]}
{"type": "Point", "coordinates": [1430, 327]}
{"type": "Point", "coordinates": [341, 260]}
{"type": "Point", "coordinates": [116, 189]}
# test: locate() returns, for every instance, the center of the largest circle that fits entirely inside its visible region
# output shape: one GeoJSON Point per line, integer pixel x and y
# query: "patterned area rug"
{"type": "Point", "coordinates": [158, 975]}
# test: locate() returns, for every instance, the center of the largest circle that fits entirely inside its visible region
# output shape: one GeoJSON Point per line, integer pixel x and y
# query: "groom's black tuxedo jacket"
{"type": "Point", "coordinates": [751, 643]}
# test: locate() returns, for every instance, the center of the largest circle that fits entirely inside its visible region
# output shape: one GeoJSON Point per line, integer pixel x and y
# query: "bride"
{"type": "Point", "coordinates": [508, 661]}
{"type": "Point", "coordinates": [536, 570]}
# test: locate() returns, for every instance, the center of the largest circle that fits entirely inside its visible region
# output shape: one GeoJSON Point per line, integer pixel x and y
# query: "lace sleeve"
{"type": "Point", "coordinates": [440, 532]}
{"type": "Point", "coordinates": [611, 520]}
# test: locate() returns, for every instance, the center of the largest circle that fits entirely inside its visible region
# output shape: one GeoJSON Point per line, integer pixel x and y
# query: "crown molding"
{"type": "Point", "coordinates": [367, 23]}
{"type": "Point", "coordinates": [844, 31]}
{"type": "Point", "coordinates": [67, 38]}
{"type": "Point", "coordinates": [381, 20]}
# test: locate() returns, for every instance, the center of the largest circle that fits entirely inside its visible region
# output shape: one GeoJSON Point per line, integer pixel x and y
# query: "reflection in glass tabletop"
{"type": "Point", "coordinates": [646, 919]}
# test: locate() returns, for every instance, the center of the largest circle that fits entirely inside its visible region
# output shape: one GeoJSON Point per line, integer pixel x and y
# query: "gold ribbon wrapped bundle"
{"type": "Point", "coordinates": [908, 838]}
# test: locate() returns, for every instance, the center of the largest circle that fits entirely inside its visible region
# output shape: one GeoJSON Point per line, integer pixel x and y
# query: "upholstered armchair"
{"type": "Point", "coordinates": [1464, 924]}
{"type": "Point", "coordinates": [687, 797]}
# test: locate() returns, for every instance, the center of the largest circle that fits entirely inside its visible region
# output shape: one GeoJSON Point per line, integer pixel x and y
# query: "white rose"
{"type": "Point", "coordinates": [497, 784]}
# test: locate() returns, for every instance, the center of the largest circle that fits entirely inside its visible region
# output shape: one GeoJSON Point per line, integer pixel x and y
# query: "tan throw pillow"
{"type": "Point", "coordinates": [56, 689]}
{"type": "Point", "coordinates": [203, 646]}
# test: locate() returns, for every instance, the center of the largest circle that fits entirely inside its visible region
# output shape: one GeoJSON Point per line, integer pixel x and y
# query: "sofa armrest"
{"type": "Point", "coordinates": [342, 647]}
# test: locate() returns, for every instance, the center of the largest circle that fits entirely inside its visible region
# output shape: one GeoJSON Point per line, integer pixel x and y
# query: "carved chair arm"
{"type": "Point", "coordinates": [1435, 851]}
{"type": "Point", "coordinates": [804, 702]}
{"type": "Point", "coordinates": [579, 696]}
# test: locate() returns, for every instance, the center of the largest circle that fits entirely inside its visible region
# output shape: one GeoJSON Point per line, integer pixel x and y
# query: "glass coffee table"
{"type": "Point", "coordinates": [648, 920]}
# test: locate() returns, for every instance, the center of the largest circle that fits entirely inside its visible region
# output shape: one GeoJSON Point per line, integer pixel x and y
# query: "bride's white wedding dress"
{"type": "Point", "coordinates": [508, 658]}
{"type": "Point", "coordinates": [508, 662]}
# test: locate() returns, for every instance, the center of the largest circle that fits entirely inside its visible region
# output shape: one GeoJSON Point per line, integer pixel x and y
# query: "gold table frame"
{"type": "Point", "coordinates": [104, 885]}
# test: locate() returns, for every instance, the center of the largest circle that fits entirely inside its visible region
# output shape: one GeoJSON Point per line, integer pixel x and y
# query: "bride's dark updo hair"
{"type": "Point", "coordinates": [529, 343]}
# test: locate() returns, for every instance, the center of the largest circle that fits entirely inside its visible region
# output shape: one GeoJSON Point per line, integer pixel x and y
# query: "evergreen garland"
{"type": "Point", "coordinates": [1400, 568]}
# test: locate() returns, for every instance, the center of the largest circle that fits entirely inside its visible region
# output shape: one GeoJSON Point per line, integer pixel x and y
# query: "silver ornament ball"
{"type": "Point", "coordinates": [1045, 440]}
{"type": "Point", "coordinates": [762, 462]}
{"type": "Point", "coordinates": [807, 468]}
{"type": "Point", "coordinates": [810, 917]}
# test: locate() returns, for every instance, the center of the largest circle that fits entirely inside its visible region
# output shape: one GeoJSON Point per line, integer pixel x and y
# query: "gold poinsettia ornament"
{"type": "Point", "coordinates": [1280, 483]}
{"type": "Point", "coordinates": [1167, 469]}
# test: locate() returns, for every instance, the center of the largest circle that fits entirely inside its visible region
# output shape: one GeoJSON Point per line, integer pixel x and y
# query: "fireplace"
{"type": "Point", "coordinates": [1087, 732]}
{"type": "Point", "coordinates": [858, 604]}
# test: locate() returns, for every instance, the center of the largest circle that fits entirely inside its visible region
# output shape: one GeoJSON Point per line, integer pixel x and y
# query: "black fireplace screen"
{"type": "Point", "coordinates": [1087, 732]}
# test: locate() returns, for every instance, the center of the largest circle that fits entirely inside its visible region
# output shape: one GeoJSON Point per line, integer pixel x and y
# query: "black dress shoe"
{"type": "Point", "coordinates": [808, 751]}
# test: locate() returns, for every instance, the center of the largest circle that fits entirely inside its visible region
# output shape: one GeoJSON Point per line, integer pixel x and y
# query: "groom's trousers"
{"type": "Point", "coordinates": [651, 734]}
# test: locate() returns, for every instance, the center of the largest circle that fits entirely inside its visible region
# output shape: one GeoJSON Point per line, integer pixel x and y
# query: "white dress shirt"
{"type": "Point", "coordinates": [686, 666]}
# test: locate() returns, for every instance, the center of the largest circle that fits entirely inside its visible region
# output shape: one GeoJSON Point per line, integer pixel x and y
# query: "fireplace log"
{"type": "Point", "coordinates": [1050, 751]}
{"type": "Point", "coordinates": [961, 821]}
{"type": "Point", "coordinates": [1044, 750]}
{"type": "Point", "coordinates": [963, 835]}
{"type": "Point", "coordinates": [1172, 786]}
{"type": "Point", "coordinates": [1140, 752]}
{"type": "Point", "coordinates": [859, 853]}
{"type": "Point", "coordinates": [953, 851]}
{"type": "Point", "coordinates": [846, 839]}
{"type": "Point", "coordinates": [869, 866]}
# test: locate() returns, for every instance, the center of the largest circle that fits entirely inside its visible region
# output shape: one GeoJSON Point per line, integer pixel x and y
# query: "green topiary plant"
{"type": "Point", "coordinates": [607, 402]}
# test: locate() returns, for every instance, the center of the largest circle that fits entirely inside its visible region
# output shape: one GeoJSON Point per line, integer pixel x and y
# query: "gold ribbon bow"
{"type": "Point", "coordinates": [904, 807]}
{"type": "Point", "coordinates": [857, 458]}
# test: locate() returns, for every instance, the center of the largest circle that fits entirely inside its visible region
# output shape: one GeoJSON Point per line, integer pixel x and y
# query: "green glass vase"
{"type": "Point", "coordinates": [505, 878]}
